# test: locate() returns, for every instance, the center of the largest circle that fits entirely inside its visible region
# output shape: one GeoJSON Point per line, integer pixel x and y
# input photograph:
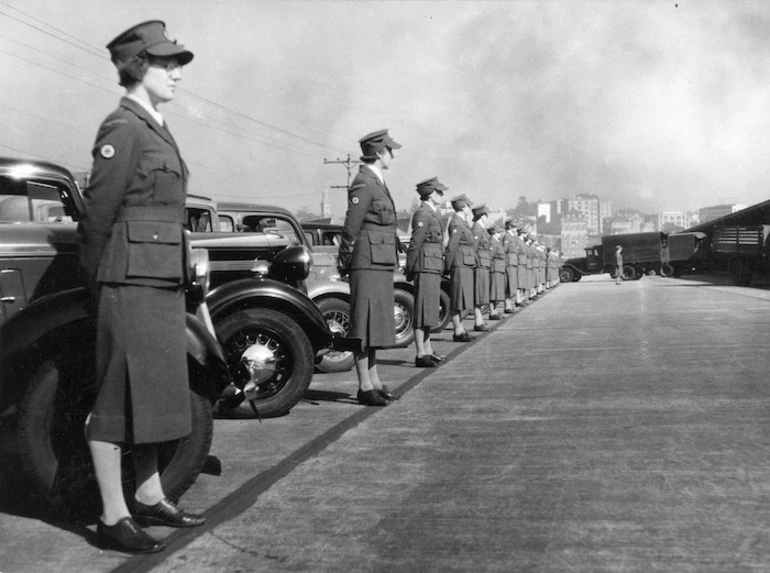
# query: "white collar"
{"type": "Point", "coordinates": [377, 172]}
{"type": "Point", "coordinates": [431, 205]}
{"type": "Point", "coordinates": [154, 113]}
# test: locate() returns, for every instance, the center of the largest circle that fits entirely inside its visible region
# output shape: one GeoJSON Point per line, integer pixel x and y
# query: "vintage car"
{"type": "Point", "coordinates": [256, 234]}
{"type": "Point", "coordinates": [47, 345]}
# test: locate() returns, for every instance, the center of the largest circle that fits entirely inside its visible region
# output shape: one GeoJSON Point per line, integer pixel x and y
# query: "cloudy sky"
{"type": "Point", "coordinates": [649, 104]}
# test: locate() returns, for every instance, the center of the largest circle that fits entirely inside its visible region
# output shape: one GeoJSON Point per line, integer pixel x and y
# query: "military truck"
{"type": "Point", "coordinates": [743, 250]}
{"type": "Point", "coordinates": [643, 253]}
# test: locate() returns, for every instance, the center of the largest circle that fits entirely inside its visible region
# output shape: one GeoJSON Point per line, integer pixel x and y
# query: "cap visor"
{"type": "Point", "coordinates": [167, 50]}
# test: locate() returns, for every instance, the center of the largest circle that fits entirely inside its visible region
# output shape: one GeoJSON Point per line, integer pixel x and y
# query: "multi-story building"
{"type": "Point", "coordinates": [574, 234]}
{"type": "Point", "coordinates": [593, 209]}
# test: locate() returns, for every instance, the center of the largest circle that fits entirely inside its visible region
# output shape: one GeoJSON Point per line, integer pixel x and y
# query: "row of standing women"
{"type": "Point", "coordinates": [489, 266]}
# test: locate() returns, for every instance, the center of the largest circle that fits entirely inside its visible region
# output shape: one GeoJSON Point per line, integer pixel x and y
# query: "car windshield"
{"type": "Point", "coordinates": [26, 201]}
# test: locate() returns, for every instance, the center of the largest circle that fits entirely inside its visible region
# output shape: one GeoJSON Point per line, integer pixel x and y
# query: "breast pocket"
{"type": "Point", "coordinates": [154, 250]}
{"type": "Point", "coordinates": [383, 248]}
{"type": "Point", "coordinates": [163, 176]}
{"type": "Point", "coordinates": [384, 212]}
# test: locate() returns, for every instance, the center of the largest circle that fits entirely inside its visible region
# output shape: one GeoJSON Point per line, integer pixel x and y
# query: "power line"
{"type": "Point", "coordinates": [93, 50]}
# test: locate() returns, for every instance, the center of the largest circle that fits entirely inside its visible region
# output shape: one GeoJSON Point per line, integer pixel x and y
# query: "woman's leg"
{"type": "Point", "coordinates": [149, 490]}
{"type": "Point", "coordinates": [106, 457]}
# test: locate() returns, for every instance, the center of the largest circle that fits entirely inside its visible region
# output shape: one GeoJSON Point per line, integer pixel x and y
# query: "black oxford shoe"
{"type": "Point", "coordinates": [127, 536]}
{"type": "Point", "coordinates": [464, 337]}
{"type": "Point", "coordinates": [424, 362]}
{"type": "Point", "coordinates": [437, 358]}
{"type": "Point", "coordinates": [387, 394]}
{"type": "Point", "coordinates": [495, 317]}
{"type": "Point", "coordinates": [481, 328]}
{"type": "Point", "coordinates": [166, 513]}
{"type": "Point", "coordinates": [371, 398]}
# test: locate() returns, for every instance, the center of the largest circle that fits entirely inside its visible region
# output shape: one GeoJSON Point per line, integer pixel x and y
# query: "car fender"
{"type": "Point", "coordinates": [64, 316]}
{"type": "Point", "coordinates": [324, 289]}
{"type": "Point", "coordinates": [268, 293]}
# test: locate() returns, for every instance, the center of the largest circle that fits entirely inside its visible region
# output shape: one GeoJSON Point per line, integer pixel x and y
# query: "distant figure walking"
{"type": "Point", "coordinates": [618, 264]}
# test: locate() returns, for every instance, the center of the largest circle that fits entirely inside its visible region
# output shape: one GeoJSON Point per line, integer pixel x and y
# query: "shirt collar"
{"type": "Point", "coordinates": [154, 113]}
{"type": "Point", "coordinates": [377, 172]}
{"type": "Point", "coordinates": [431, 205]}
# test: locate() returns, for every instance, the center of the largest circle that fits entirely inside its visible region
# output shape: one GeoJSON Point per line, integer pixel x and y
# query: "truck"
{"type": "Point", "coordinates": [743, 250]}
{"type": "Point", "coordinates": [643, 253]}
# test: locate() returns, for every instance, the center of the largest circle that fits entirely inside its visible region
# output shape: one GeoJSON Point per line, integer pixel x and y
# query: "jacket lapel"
{"type": "Point", "coordinates": [137, 109]}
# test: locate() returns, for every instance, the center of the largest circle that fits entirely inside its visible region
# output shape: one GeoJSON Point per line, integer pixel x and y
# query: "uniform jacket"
{"type": "Point", "coordinates": [425, 253]}
{"type": "Point", "coordinates": [498, 256]}
{"type": "Point", "coordinates": [523, 250]}
{"type": "Point", "coordinates": [460, 251]}
{"type": "Point", "coordinates": [483, 245]}
{"type": "Point", "coordinates": [131, 229]}
{"type": "Point", "coordinates": [368, 239]}
{"type": "Point", "coordinates": [511, 247]}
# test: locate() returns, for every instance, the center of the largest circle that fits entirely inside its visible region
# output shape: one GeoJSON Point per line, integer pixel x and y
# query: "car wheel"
{"type": "Point", "coordinates": [54, 451]}
{"type": "Point", "coordinates": [629, 273]}
{"type": "Point", "coordinates": [404, 315]}
{"type": "Point", "coordinates": [337, 314]}
{"type": "Point", "coordinates": [667, 270]}
{"type": "Point", "coordinates": [443, 312]}
{"type": "Point", "coordinates": [268, 347]}
{"type": "Point", "coordinates": [566, 275]}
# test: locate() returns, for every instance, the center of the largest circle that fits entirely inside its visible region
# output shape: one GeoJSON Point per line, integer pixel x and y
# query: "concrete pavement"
{"type": "Point", "coordinates": [604, 428]}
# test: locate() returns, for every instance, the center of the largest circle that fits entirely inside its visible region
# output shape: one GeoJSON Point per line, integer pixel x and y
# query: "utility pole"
{"type": "Point", "coordinates": [349, 163]}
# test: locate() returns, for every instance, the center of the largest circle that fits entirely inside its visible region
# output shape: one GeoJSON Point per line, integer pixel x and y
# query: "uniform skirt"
{"type": "Point", "coordinates": [481, 286]}
{"type": "Point", "coordinates": [461, 289]}
{"type": "Point", "coordinates": [141, 366]}
{"type": "Point", "coordinates": [372, 308]}
{"type": "Point", "coordinates": [511, 274]}
{"type": "Point", "coordinates": [427, 296]}
{"type": "Point", "coordinates": [497, 287]}
{"type": "Point", "coordinates": [521, 276]}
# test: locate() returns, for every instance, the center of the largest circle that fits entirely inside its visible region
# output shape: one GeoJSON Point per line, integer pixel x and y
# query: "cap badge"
{"type": "Point", "coordinates": [354, 200]}
{"type": "Point", "coordinates": [420, 224]}
{"type": "Point", "coordinates": [107, 151]}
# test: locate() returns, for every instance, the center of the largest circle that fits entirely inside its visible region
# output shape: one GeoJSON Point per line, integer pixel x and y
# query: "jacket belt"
{"type": "Point", "coordinates": [154, 213]}
{"type": "Point", "coordinates": [376, 227]}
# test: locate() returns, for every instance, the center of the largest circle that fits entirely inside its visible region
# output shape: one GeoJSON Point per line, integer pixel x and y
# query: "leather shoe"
{"type": "Point", "coordinates": [481, 328]}
{"type": "Point", "coordinates": [166, 513]}
{"type": "Point", "coordinates": [127, 536]}
{"type": "Point", "coordinates": [387, 394]}
{"type": "Point", "coordinates": [464, 337]}
{"type": "Point", "coordinates": [437, 358]}
{"type": "Point", "coordinates": [424, 362]}
{"type": "Point", "coordinates": [371, 398]}
{"type": "Point", "coordinates": [495, 317]}
{"type": "Point", "coordinates": [508, 311]}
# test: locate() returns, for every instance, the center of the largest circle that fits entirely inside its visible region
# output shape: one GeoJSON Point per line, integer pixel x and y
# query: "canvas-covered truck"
{"type": "Point", "coordinates": [743, 250]}
{"type": "Point", "coordinates": [643, 253]}
{"type": "Point", "coordinates": [686, 253]}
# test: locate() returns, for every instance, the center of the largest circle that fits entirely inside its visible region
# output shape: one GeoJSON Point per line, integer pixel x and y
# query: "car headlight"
{"type": "Point", "coordinates": [199, 271]}
{"type": "Point", "coordinates": [292, 264]}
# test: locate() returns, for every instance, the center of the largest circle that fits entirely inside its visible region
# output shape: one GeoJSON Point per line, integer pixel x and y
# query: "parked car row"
{"type": "Point", "coordinates": [271, 332]}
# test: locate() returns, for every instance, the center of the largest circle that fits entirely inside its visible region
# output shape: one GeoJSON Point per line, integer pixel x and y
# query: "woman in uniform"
{"type": "Point", "coordinates": [483, 265]}
{"type": "Point", "coordinates": [368, 252]}
{"type": "Point", "coordinates": [459, 263]}
{"type": "Point", "coordinates": [132, 254]}
{"type": "Point", "coordinates": [497, 276]}
{"type": "Point", "coordinates": [424, 265]}
{"type": "Point", "coordinates": [511, 265]}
